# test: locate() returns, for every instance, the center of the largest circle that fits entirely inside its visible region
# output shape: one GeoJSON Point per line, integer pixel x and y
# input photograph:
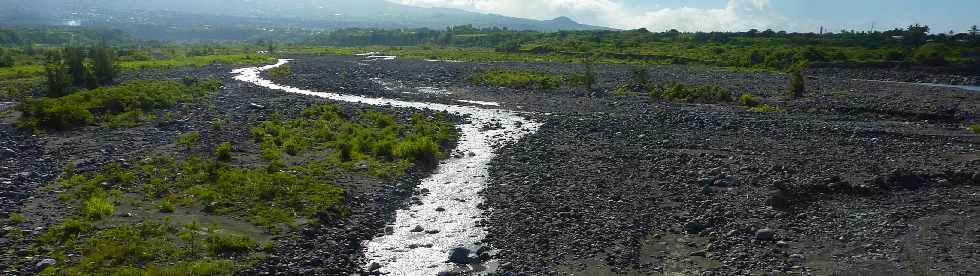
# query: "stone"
{"type": "Point", "coordinates": [460, 255]}
{"type": "Point", "coordinates": [708, 273]}
{"type": "Point", "coordinates": [418, 228]}
{"type": "Point", "coordinates": [45, 264]}
{"type": "Point", "coordinates": [765, 234]}
{"type": "Point", "coordinates": [374, 266]}
{"type": "Point", "coordinates": [440, 209]}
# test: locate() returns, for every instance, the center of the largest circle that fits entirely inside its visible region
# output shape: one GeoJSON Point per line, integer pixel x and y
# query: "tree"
{"type": "Point", "coordinates": [6, 59]}
{"type": "Point", "coordinates": [639, 78]}
{"type": "Point", "coordinates": [974, 31]}
{"type": "Point", "coordinates": [796, 86]}
{"type": "Point", "coordinates": [79, 73]}
{"type": "Point", "coordinates": [54, 69]}
{"type": "Point", "coordinates": [104, 64]}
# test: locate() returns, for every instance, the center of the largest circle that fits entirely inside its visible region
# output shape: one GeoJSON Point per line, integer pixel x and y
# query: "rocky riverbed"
{"type": "Point", "coordinates": [855, 178]}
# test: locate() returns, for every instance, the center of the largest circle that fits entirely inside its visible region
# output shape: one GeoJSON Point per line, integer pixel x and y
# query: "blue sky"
{"type": "Point", "coordinates": [736, 15]}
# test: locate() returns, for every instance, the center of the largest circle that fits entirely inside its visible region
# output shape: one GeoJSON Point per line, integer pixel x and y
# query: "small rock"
{"type": "Point", "coordinates": [418, 228]}
{"type": "Point", "coordinates": [45, 264]}
{"type": "Point", "coordinates": [389, 230]}
{"type": "Point", "coordinates": [374, 266]}
{"type": "Point", "coordinates": [708, 273]}
{"type": "Point", "coordinates": [460, 255]}
{"type": "Point", "coordinates": [440, 209]}
{"type": "Point", "coordinates": [796, 258]}
{"type": "Point", "coordinates": [765, 234]}
{"type": "Point", "coordinates": [433, 231]}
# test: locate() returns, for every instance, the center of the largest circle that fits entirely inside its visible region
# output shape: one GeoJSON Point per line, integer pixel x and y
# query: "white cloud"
{"type": "Point", "coordinates": [736, 15]}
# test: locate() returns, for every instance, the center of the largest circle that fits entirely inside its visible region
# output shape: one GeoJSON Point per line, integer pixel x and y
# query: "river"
{"type": "Point", "coordinates": [453, 188]}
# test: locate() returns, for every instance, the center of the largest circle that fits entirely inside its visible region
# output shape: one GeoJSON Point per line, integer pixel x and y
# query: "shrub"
{"type": "Point", "coordinates": [223, 152]}
{"type": "Point", "coordinates": [122, 105]}
{"type": "Point", "coordinates": [280, 72]}
{"type": "Point", "coordinates": [516, 79]}
{"type": "Point", "coordinates": [421, 149]}
{"type": "Point", "coordinates": [690, 94]}
{"type": "Point", "coordinates": [765, 108]}
{"type": "Point", "coordinates": [975, 128]}
{"type": "Point", "coordinates": [98, 207]}
{"type": "Point", "coordinates": [796, 83]}
{"type": "Point", "coordinates": [225, 244]}
{"type": "Point", "coordinates": [16, 218]}
{"type": "Point", "coordinates": [586, 79]}
{"type": "Point", "coordinates": [639, 77]}
{"type": "Point", "coordinates": [189, 139]}
{"type": "Point", "coordinates": [67, 230]}
{"type": "Point", "coordinates": [166, 206]}
{"type": "Point", "coordinates": [748, 100]}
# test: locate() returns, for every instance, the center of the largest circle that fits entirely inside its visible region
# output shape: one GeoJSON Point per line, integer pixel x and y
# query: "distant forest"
{"type": "Point", "coordinates": [766, 49]}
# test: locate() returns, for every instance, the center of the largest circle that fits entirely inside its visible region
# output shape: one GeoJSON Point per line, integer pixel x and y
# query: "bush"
{"type": "Point", "coordinates": [796, 83]}
{"type": "Point", "coordinates": [765, 108]}
{"type": "Point", "coordinates": [421, 149]}
{"type": "Point", "coordinates": [189, 139]}
{"type": "Point", "coordinates": [586, 79]}
{"type": "Point", "coordinates": [748, 100]}
{"type": "Point", "coordinates": [516, 79]}
{"type": "Point", "coordinates": [99, 207]}
{"type": "Point", "coordinates": [16, 218]}
{"type": "Point", "coordinates": [280, 72]}
{"type": "Point", "coordinates": [225, 245]}
{"type": "Point", "coordinates": [690, 94]}
{"type": "Point", "coordinates": [223, 152]}
{"type": "Point", "coordinates": [122, 105]}
{"type": "Point", "coordinates": [639, 77]}
{"type": "Point", "coordinates": [975, 128]}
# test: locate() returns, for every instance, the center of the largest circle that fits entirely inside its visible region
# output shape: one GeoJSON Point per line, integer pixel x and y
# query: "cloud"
{"type": "Point", "coordinates": [736, 15]}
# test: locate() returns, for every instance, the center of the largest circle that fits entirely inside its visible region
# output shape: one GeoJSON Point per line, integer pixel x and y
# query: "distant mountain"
{"type": "Point", "coordinates": [307, 14]}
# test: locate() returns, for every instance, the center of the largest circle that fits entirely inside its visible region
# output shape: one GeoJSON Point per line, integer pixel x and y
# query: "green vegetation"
{"type": "Point", "coordinates": [281, 71]}
{"type": "Point", "coordinates": [796, 83]}
{"type": "Point", "coordinates": [121, 106]}
{"type": "Point", "coordinates": [587, 79]}
{"type": "Point", "coordinates": [386, 146]}
{"type": "Point", "coordinates": [16, 218]}
{"type": "Point", "coordinates": [188, 140]}
{"type": "Point", "coordinates": [516, 79]}
{"type": "Point", "coordinates": [975, 128]}
{"type": "Point", "coordinates": [223, 152]}
{"type": "Point", "coordinates": [690, 94]}
{"type": "Point", "coordinates": [145, 248]}
{"type": "Point", "coordinates": [766, 108]}
{"type": "Point", "coordinates": [753, 49]}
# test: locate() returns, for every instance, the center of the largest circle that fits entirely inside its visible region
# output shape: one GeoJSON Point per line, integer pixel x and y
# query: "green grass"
{"type": "Point", "coordinates": [98, 207]}
{"type": "Point", "coordinates": [190, 139]}
{"type": "Point", "coordinates": [975, 128]}
{"type": "Point", "coordinates": [517, 79]}
{"type": "Point", "coordinates": [766, 108]}
{"type": "Point", "coordinates": [280, 72]}
{"type": "Point", "coordinates": [16, 218]}
{"type": "Point", "coordinates": [123, 105]}
{"type": "Point", "coordinates": [146, 248]}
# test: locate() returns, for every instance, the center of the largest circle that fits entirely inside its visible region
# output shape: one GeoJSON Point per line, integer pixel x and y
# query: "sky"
{"type": "Point", "coordinates": [736, 15]}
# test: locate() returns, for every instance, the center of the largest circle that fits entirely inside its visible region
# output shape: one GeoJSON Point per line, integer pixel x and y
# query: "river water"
{"type": "Point", "coordinates": [453, 189]}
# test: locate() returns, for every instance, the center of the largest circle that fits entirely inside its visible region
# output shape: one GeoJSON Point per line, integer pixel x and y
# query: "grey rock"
{"type": "Point", "coordinates": [44, 264]}
{"type": "Point", "coordinates": [460, 255]}
{"type": "Point", "coordinates": [418, 228]}
{"type": "Point", "coordinates": [765, 234]}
